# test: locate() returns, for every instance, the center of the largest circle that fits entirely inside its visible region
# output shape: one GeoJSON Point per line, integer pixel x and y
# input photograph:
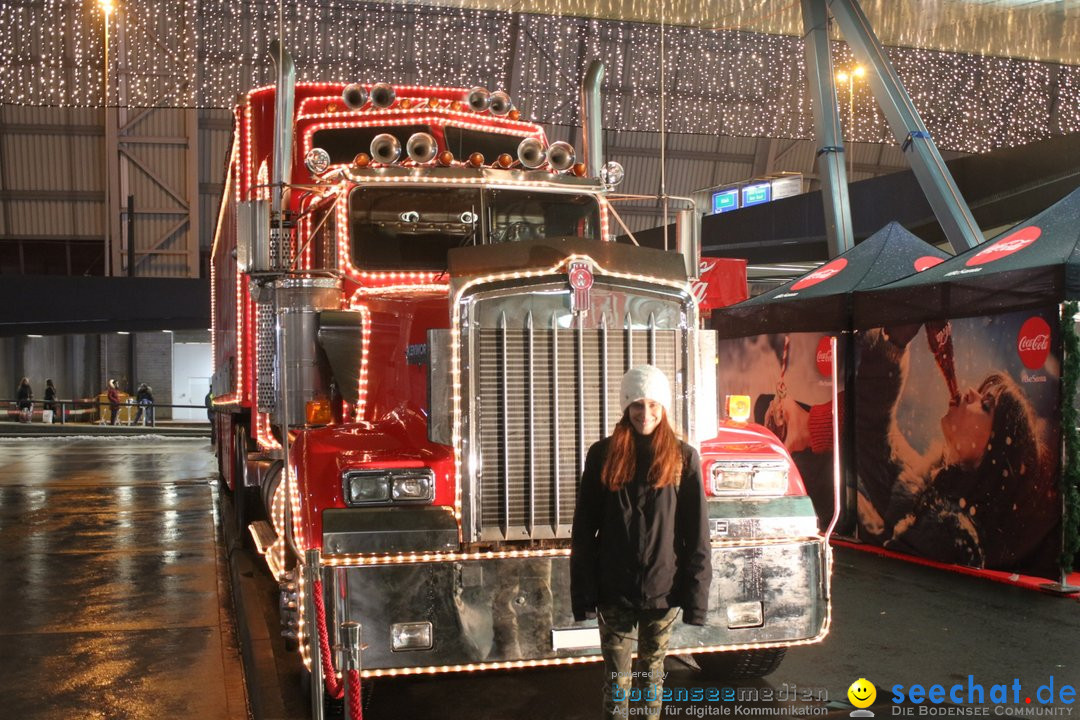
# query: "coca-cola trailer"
{"type": "Point", "coordinates": [420, 320]}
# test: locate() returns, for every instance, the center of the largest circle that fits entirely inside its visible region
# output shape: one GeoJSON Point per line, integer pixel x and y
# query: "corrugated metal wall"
{"type": "Point", "coordinates": [53, 183]}
{"type": "Point", "coordinates": [53, 189]}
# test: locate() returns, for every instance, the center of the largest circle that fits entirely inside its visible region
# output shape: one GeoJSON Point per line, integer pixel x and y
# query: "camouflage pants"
{"type": "Point", "coordinates": [617, 637]}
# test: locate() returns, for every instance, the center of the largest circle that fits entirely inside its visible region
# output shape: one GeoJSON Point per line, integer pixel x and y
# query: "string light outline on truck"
{"type": "Point", "coordinates": [333, 456]}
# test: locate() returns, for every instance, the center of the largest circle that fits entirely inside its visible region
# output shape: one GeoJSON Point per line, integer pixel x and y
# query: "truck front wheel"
{"type": "Point", "coordinates": [740, 665]}
{"type": "Point", "coordinates": [247, 504]}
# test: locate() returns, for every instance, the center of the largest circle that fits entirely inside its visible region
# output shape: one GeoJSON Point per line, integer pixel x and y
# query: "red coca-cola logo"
{"type": "Point", "coordinates": [1006, 246]}
{"type": "Point", "coordinates": [822, 274]}
{"type": "Point", "coordinates": [926, 262]}
{"type": "Point", "coordinates": [824, 356]}
{"type": "Point", "coordinates": [1033, 342]}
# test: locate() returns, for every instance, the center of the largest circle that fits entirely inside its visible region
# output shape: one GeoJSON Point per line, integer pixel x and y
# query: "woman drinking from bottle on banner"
{"type": "Point", "coordinates": [983, 493]}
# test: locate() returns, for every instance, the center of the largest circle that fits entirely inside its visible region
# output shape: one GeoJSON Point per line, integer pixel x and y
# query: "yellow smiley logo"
{"type": "Point", "coordinates": [862, 693]}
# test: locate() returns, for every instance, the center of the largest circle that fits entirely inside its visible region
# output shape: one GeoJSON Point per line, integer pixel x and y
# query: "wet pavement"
{"type": "Point", "coordinates": [894, 623]}
{"type": "Point", "coordinates": [116, 600]}
{"type": "Point", "coordinates": [116, 604]}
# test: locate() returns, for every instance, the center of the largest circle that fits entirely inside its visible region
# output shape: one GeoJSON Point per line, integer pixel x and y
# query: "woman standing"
{"type": "Point", "coordinates": [144, 396]}
{"type": "Point", "coordinates": [50, 399]}
{"type": "Point", "coordinates": [114, 401]}
{"type": "Point", "coordinates": [640, 547]}
{"type": "Point", "coordinates": [24, 397]}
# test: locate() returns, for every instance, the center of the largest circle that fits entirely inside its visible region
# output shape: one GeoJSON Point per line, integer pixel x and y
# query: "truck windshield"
{"type": "Point", "coordinates": [401, 229]}
{"type": "Point", "coordinates": [411, 228]}
{"type": "Point", "coordinates": [531, 215]}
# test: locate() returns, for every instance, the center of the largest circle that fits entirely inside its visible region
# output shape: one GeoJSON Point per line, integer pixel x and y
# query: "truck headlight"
{"type": "Point", "coordinates": [386, 485]}
{"type": "Point", "coordinates": [412, 486]}
{"type": "Point", "coordinates": [757, 478]}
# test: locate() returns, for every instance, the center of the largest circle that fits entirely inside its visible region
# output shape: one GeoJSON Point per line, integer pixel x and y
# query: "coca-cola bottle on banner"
{"type": "Point", "coordinates": [939, 337]}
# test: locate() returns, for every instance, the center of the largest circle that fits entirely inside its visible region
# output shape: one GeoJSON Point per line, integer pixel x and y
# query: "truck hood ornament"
{"type": "Point", "coordinates": [581, 281]}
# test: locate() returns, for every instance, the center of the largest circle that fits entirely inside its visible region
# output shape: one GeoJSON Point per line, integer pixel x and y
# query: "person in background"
{"type": "Point", "coordinates": [144, 396]}
{"type": "Point", "coordinates": [640, 540]}
{"type": "Point", "coordinates": [209, 402]}
{"type": "Point", "coordinates": [114, 402]}
{"type": "Point", "coordinates": [50, 398]}
{"type": "Point", "coordinates": [24, 398]}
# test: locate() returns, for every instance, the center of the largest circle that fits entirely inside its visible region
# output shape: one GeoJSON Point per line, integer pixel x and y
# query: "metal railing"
{"type": "Point", "coordinates": [73, 410]}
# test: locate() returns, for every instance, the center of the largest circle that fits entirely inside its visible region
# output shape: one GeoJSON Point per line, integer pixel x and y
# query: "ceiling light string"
{"type": "Point", "coordinates": [733, 83]}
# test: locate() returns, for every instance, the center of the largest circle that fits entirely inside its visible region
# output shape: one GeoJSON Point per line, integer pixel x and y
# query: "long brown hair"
{"type": "Point", "coordinates": [621, 462]}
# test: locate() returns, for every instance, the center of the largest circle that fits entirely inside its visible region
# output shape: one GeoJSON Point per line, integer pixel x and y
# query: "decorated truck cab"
{"type": "Point", "coordinates": [421, 318]}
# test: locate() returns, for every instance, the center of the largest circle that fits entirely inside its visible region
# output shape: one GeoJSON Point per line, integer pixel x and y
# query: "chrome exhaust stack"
{"type": "Point", "coordinates": [592, 131]}
{"type": "Point", "coordinates": [284, 101]}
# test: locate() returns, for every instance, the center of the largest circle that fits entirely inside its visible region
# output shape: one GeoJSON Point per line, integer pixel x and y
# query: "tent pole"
{"type": "Point", "coordinates": [830, 143]}
{"type": "Point", "coordinates": [907, 127]}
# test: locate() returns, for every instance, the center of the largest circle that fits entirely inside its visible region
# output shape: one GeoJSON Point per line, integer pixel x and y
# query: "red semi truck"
{"type": "Point", "coordinates": [420, 321]}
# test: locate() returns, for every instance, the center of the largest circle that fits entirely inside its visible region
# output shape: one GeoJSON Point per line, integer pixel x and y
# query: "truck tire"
{"type": "Point", "coordinates": [740, 665]}
{"type": "Point", "coordinates": [220, 471]}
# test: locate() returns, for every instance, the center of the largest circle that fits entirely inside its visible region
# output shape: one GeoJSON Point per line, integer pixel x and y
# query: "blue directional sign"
{"type": "Point", "coordinates": [756, 194]}
{"type": "Point", "coordinates": [725, 200]}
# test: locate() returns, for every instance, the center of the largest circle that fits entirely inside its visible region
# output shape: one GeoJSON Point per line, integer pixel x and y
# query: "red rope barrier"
{"type": "Point", "coordinates": [356, 711]}
{"type": "Point", "coordinates": [334, 687]}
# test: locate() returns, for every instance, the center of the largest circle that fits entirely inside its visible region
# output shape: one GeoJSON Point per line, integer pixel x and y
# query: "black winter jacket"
{"type": "Point", "coordinates": [641, 547]}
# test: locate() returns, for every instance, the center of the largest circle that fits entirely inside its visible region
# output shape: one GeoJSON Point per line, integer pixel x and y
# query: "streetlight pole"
{"type": "Point", "coordinates": [106, 9]}
{"type": "Point", "coordinates": [857, 72]}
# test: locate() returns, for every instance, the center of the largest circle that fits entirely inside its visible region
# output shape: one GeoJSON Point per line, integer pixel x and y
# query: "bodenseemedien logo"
{"type": "Point", "coordinates": [862, 694]}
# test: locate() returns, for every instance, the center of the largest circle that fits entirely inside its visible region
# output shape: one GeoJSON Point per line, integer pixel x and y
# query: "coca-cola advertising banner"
{"type": "Point", "coordinates": [721, 282]}
{"type": "Point", "coordinates": [789, 380]}
{"type": "Point", "coordinates": [957, 440]}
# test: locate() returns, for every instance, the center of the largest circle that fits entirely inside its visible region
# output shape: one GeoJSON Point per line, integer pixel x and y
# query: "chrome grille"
{"type": "Point", "coordinates": [542, 397]}
{"type": "Point", "coordinates": [281, 246]}
{"type": "Point", "coordinates": [265, 346]}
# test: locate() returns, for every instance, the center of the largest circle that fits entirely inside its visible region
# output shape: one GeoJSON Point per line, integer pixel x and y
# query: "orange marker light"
{"type": "Point", "coordinates": [433, 102]}
{"type": "Point", "coordinates": [331, 108]}
{"type": "Point", "coordinates": [361, 160]}
{"type": "Point", "coordinates": [514, 115]}
{"type": "Point", "coordinates": [318, 412]}
{"type": "Point", "coordinates": [476, 159]}
{"type": "Point", "coordinates": [505, 160]}
{"type": "Point", "coordinates": [446, 158]}
{"type": "Point", "coordinates": [579, 169]}
{"type": "Point", "coordinates": [738, 407]}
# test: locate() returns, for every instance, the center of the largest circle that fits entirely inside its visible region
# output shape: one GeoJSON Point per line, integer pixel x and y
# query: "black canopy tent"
{"type": "Point", "coordinates": [989, 297]}
{"type": "Point", "coordinates": [821, 301]}
{"type": "Point", "coordinates": [1034, 264]}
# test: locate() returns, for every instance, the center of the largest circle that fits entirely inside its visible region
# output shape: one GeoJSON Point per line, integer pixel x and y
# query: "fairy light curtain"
{"type": "Point", "coordinates": [181, 53]}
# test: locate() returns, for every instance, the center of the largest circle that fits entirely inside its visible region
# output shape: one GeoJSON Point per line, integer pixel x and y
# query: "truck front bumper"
{"type": "Point", "coordinates": [494, 611]}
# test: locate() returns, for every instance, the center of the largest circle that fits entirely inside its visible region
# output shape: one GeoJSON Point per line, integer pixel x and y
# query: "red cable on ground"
{"type": "Point", "coordinates": [334, 687]}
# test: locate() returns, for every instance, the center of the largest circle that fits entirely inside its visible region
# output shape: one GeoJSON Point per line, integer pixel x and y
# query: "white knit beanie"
{"type": "Point", "coordinates": [645, 382]}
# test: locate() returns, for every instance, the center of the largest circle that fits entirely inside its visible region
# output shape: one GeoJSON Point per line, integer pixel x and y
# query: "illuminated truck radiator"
{"type": "Point", "coordinates": [543, 396]}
